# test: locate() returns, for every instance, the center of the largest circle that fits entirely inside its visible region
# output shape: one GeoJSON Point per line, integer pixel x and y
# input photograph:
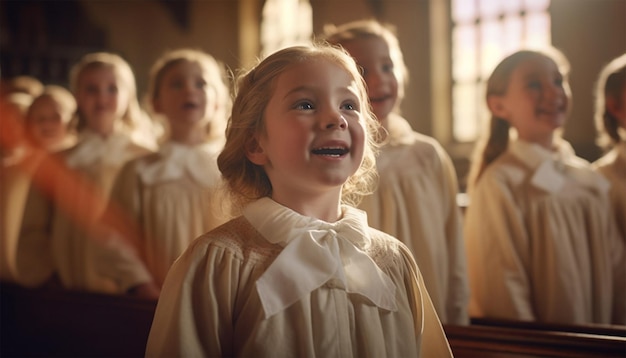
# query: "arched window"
{"type": "Point", "coordinates": [483, 32]}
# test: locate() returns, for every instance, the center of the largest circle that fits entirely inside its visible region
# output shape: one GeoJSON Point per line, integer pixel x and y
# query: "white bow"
{"type": "Point", "coordinates": [551, 168]}
{"type": "Point", "coordinates": [175, 160]}
{"type": "Point", "coordinates": [314, 254]}
{"type": "Point", "coordinates": [92, 147]}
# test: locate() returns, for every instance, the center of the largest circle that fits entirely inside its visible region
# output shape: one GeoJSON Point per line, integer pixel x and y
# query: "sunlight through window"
{"type": "Point", "coordinates": [285, 23]}
{"type": "Point", "coordinates": [484, 31]}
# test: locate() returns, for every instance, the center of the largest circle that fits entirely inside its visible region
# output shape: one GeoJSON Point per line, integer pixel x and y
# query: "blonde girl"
{"type": "Point", "coordinates": [173, 195]}
{"type": "Point", "coordinates": [416, 197]}
{"type": "Point", "coordinates": [611, 124]}
{"type": "Point", "coordinates": [48, 119]}
{"type": "Point", "coordinates": [541, 243]}
{"type": "Point", "coordinates": [56, 240]}
{"type": "Point", "coordinates": [299, 273]}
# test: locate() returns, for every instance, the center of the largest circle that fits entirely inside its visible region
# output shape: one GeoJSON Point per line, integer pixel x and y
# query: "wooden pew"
{"type": "Point", "coordinates": [57, 323]}
{"type": "Point", "coordinates": [515, 339]}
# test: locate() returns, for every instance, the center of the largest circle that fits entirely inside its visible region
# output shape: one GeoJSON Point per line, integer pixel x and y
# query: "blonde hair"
{"type": "Point", "coordinates": [61, 96]}
{"type": "Point", "coordinates": [67, 107]}
{"type": "Point", "coordinates": [495, 140]}
{"type": "Point", "coordinates": [611, 83]}
{"type": "Point", "coordinates": [363, 29]}
{"type": "Point", "coordinates": [25, 84]}
{"type": "Point", "coordinates": [133, 115]}
{"type": "Point", "coordinates": [247, 181]}
{"type": "Point", "coordinates": [214, 73]}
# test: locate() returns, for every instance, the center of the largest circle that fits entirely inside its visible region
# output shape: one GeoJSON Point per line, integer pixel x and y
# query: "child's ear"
{"type": "Point", "coordinates": [496, 106]}
{"type": "Point", "coordinates": [255, 152]}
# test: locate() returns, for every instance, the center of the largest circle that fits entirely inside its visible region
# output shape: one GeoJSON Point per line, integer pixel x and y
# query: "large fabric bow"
{"type": "Point", "coordinates": [92, 147]}
{"type": "Point", "coordinates": [177, 159]}
{"type": "Point", "coordinates": [316, 252]}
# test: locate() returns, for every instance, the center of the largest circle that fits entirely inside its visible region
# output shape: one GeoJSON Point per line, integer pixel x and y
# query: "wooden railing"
{"type": "Point", "coordinates": [57, 323]}
{"type": "Point", "coordinates": [495, 338]}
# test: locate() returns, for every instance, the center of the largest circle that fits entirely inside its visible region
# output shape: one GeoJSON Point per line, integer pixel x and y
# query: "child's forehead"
{"type": "Point", "coordinates": [99, 72]}
{"type": "Point", "coordinates": [185, 65]}
{"type": "Point", "coordinates": [315, 71]}
{"type": "Point", "coordinates": [535, 66]}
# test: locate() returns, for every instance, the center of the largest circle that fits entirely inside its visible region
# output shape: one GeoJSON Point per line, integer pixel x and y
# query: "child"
{"type": "Point", "coordinates": [107, 114]}
{"type": "Point", "coordinates": [19, 159]}
{"type": "Point", "coordinates": [43, 129]}
{"type": "Point", "coordinates": [173, 194]}
{"type": "Point", "coordinates": [611, 124]}
{"type": "Point", "coordinates": [48, 118]}
{"type": "Point", "coordinates": [416, 197]}
{"type": "Point", "coordinates": [299, 273]}
{"type": "Point", "coordinates": [541, 243]}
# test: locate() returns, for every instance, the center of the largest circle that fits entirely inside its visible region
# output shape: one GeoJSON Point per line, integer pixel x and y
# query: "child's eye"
{"type": "Point", "coordinates": [350, 106]}
{"type": "Point", "coordinates": [112, 89]}
{"type": "Point", "coordinates": [559, 82]}
{"type": "Point", "coordinates": [91, 89]}
{"type": "Point", "coordinates": [304, 105]}
{"type": "Point", "coordinates": [534, 85]}
{"type": "Point", "coordinates": [388, 67]}
{"type": "Point", "coordinates": [201, 84]}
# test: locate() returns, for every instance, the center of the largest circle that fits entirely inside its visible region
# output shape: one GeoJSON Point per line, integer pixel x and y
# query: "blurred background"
{"type": "Point", "coordinates": [450, 46]}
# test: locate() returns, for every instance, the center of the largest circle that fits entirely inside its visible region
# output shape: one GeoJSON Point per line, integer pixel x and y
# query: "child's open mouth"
{"type": "Point", "coordinates": [331, 151]}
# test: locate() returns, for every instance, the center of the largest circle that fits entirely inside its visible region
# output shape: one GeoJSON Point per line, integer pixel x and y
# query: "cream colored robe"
{"type": "Point", "coordinates": [210, 304]}
{"type": "Point", "coordinates": [613, 167]}
{"type": "Point", "coordinates": [416, 202]}
{"type": "Point", "coordinates": [174, 197]}
{"type": "Point", "coordinates": [541, 243]}
{"type": "Point", "coordinates": [53, 233]}
{"type": "Point", "coordinates": [15, 181]}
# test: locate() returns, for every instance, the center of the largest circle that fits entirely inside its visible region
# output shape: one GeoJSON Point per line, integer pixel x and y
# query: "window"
{"type": "Point", "coordinates": [285, 23]}
{"type": "Point", "coordinates": [483, 32]}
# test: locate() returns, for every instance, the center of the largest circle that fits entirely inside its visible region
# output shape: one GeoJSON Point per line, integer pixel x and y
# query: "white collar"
{"type": "Point", "coordinates": [552, 167]}
{"type": "Point", "coordinates": [315, 252]}
{"type": "Point", "coordinates": [176, 159]}
{"type": "Point", "coordinates": [400, 131]}
{"type": "Point", "coordinates": [92, 147]}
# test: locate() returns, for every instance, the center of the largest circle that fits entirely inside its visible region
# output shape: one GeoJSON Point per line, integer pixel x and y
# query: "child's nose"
{"type": "Point", "coordinates": [375, 78]}
{"type": "Point", "coordinates": [335, 121]}
{"type": "Point", "coordinates": [554, 92]}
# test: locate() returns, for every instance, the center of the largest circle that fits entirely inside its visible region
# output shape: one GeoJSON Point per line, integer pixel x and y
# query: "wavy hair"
{"type": "Point", "coordinates": [254, 88]}
{"type": "Point", "coordinates": [611, 83]}
{"type": "Point", "coordinates": [215, 75]}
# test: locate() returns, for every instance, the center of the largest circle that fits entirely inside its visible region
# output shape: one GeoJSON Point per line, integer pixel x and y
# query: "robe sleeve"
{"type": "Point", "coordinates": [194, 316]}
{"type": "Point", "coordinates": [497, 245]}
{"type": "Point", "coordinates": [458, 286]}
{"type": "Point", "coordinates": [120, 245]}
{"type": "Point", "coordinates": [34, 260]}
{"type": "Point", "coordinates": [431, 340]}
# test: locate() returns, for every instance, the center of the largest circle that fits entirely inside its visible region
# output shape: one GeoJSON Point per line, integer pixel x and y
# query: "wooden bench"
{"type": "Point", "coordinates": [58, 323]}
{"type": "Point", "coordinates": [513, 339]}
